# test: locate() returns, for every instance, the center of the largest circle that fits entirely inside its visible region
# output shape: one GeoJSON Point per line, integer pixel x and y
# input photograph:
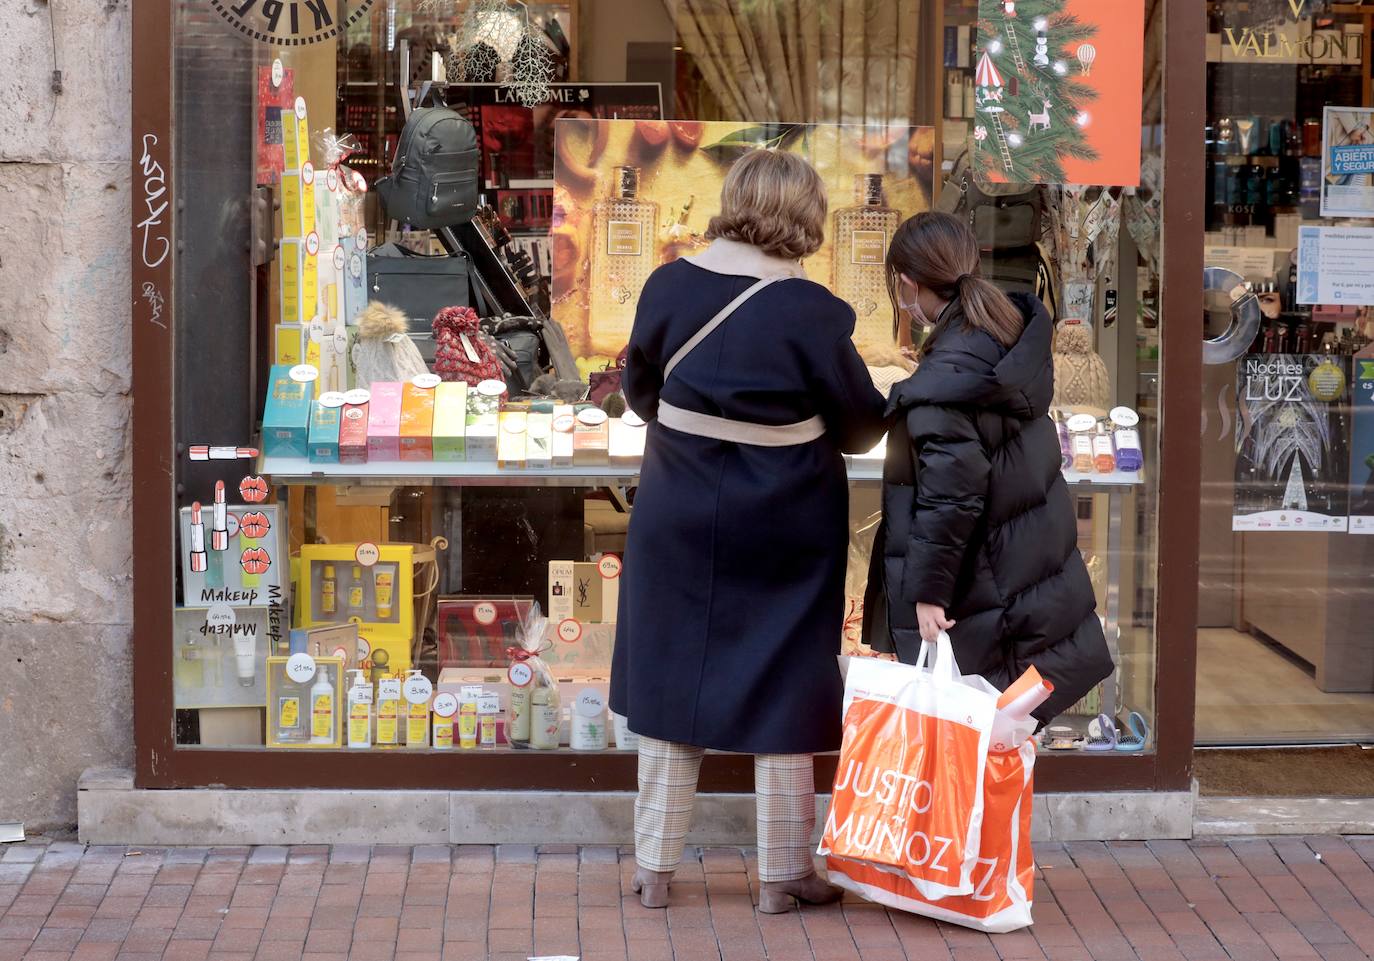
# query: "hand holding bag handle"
{"type": "Point", "coordinates": [943, 665]}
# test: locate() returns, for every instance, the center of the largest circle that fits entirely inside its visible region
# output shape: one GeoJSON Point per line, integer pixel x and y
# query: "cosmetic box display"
{"type": "Point", "coordinates": [304, 696]}
{"type": "Point", "coordinates": [286, 417]}
{"type": "Point", "coordinates": [219, 656]}
{"type": "Point", "coordinates": [231, 556]}
{"type": "Point", "coordinates": [367, 584]}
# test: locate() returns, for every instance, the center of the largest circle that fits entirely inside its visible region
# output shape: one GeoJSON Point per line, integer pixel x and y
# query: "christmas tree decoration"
{"type": "Point", "coordinates": [1087, 53]}
{"type": "Point", "coordinates": [1009, 7]}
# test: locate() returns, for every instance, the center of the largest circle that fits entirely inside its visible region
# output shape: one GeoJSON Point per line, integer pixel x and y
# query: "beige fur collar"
{"type": "Point", "coordinates": [744, 260]}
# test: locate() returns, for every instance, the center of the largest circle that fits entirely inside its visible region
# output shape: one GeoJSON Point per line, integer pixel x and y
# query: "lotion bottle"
{"type": "Point", "coordinates": [359, 712]}
{"type": "Point", "coordinates": [322, 710]}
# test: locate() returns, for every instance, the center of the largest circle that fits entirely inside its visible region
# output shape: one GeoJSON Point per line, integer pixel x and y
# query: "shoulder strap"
{"type": "Point", "coordinates": [715, 322]}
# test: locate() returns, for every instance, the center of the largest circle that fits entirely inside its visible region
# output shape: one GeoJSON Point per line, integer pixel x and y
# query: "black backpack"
{"type": "Point", "coordinates": [433, 181]}
{"type": "Point", "coordinates": [1008, 222]}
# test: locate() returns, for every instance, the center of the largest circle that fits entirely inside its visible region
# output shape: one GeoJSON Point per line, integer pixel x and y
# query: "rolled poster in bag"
{"type": "Point", "coordinates": [908, 794]}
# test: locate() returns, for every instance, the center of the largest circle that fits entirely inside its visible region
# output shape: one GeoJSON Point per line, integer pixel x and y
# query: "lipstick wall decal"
{"type": "Point", "coordinates": [210, 452]}
{"type": "Point", "coordinates": [219, 533]}
{"type": "Point", "coordinates": [197, 540]}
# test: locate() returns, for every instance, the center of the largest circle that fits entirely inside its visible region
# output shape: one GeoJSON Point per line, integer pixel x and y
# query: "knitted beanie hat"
{"type": "Point", "coordinates": [1080, 375]}
{"type": "Point", "coordinates": [460, 353]}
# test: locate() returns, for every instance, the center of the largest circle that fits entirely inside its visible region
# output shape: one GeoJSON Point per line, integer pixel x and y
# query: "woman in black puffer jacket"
{"type": "Point", "coordinates": [979, 532]}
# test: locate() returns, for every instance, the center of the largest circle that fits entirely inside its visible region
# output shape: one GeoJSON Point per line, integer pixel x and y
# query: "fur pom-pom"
{"type": "Point", "coordinates": [614, 404]}
{"type": "Point", "coordinates": [379, 321]}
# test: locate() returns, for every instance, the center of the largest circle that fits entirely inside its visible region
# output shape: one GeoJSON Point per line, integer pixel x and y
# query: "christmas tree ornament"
{"type": "Point", "coordinates": [1087, 53]}
{"type": "Point", "coordinates": [1042, 49]}
{"type": "Point", "coordinates": [1039, 121]}
{"type": "Point", "coordinates": [980, 133]}
{"type": "Point", "coordinates": [1009, 7]}
{"type": "Point", "coordinates": [532, 71]}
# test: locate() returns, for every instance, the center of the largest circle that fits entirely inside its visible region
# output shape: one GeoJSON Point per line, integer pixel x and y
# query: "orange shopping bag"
{"type": "Point", "coordinates": [1003, 874]}
{"type": "Point", "coordinates": [908, 794]}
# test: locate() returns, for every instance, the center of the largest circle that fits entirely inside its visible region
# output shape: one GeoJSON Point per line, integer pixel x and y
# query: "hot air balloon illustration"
{"type": "Point", "coordinates": [1087, 53]}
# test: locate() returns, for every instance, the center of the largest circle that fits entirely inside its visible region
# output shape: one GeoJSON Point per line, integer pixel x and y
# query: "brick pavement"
{"type": "Point", "coordinates": [1298, 898]}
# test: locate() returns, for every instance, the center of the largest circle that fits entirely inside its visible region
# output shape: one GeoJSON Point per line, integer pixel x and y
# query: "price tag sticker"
{"type": "Point", "coordinates": [590, 703]}
{"type": "Point", "coordinates": [278, 72]}
{"type": "Point", "coordinates": [489, 704]}
{"type": "Point", "coordinates": [317, 331]}
{"type": "Point", "coordinates": [446, 705]}
{"type": "Point", "coordinates": [358, 396]}
{"type": "Point", "coordinates": [340, 340]}
{"type": "Point", "coordinates": [331, 180]}
{"type": "Point", "coordinates": [332, 398]}
{"type": "Point", "coordinates": [305, 373]}
{"type": "Point", "coordinates": [340, 652]}
{"type": "Point", "coordinates": [364, 645]}
{"type": "Point", "coordinates": [470, 692]}
{"type": "Point", "coordinates": [362, 235]}
{"type": "Point", "coordinates": [300, 668]}
{"type": "Point", "coordinates": [426, 381]}
{"type": "Point", "coordinates": [570, 630]}
{"type": "Point", "coordinates": [219, 618]}
{"type": "Point", "coordinates": [339, 258]}
{"type": "Point", "coordinates": [418, 689]}
{"type": "Point", "coordinates": [389, 689]}
{"type": "Point", "coordinates": [300, 108]}
{"type": "Point", "coordinates": [307, 173]}
{"type": "Point", "coordinates": [520, 674]}
{"type": "Point", "coordinates": [367, 554]}
{"type": "Point", "coordinates": [609, 566]}
{"type": "Point", "coordinates": [484, 613]}
{"type": "Point", "coordinates": [312, 243]}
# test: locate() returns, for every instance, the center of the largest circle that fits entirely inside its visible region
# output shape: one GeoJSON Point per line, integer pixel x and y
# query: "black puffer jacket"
{"type": "Point", "coordinates": [978, 519]}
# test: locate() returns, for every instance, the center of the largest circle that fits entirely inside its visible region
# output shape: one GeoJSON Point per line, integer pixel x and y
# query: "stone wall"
{"type": "Point", "coordinates": [65, 531]}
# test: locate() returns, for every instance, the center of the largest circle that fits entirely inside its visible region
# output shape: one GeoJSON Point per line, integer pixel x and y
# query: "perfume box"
{"type": "Point", "coordinates": [482, 423]}
{"type": "Point", "coordinates": [218, 663]}
{"type": "Point", "coordinates": [295, 718]}
{"type": "Point", "coordinates": [288, 350]}
{"type": "Point", "coordinates": [286, 419]}
{"type": "Point", "coordinates": [354, 275]}
{"type": "Point", "coordinates": [539, 436]}
{"type": "Point", "coordinates": [289, 280]}
{"type": "Point", "coordinates": [417, 422]}
{"type": "Point", "coordinates": [627, 439]}
{"type": "Point", "coordinates": [450, 421]}
{"type": "Point", "coordinates": [384, 422]}
{"type": "Point", "coordinates": [295, 135]}
{"type": "Point", "coordinates": [324, 434]}
{"type": "Point", "coordinates": [563, 424]}
{"type": "Point", "coordinates": [336, 358]}
{"type": "Point", "coordinates": [576, 592]}
{"type": "Point", "coordinates": [292, 223]}
{"type": "Point", "coordinates": [591, 438]}
{"type": "Point", "coordinates": [353, 434]}
{"type": "Point", "coordinates": [512, 441]}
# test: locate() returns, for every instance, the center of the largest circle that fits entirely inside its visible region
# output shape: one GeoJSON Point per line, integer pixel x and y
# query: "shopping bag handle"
{"type": "Point", "coordinates": [944, 666]}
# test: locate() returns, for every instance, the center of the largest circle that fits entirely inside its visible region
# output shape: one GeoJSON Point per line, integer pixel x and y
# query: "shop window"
{"type": "Point", "coordinates": [401, 520]}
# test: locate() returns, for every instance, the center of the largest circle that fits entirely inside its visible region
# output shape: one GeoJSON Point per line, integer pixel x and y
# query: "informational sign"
{"type": "Point", "coordinates": [1362, 447]}
{"type": "Point", "coordinates": [1293, 443]}
{"type": "Point", "coordinates": [1347, 162]}
{"type": "Point", "coordinates": [1336, 266]}
{"type": "Point", "coordinates": [1252, 263]}
{"type": "Point", "coordinates": [1057, 94]}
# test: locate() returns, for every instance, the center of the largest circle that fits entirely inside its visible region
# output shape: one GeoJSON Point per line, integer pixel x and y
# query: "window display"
{"type": "Point", "coordinates": [405, 470]}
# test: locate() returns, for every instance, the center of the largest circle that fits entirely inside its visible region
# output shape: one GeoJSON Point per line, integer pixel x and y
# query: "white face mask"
{"type": "Point", "coordinates": [914, 311]}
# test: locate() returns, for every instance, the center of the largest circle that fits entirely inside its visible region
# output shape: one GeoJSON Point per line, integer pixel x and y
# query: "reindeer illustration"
{"type": "Point", "coordinates": [1041, 120]}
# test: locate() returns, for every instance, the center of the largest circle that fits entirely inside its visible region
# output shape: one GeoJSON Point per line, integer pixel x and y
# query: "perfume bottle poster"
{"type": "Point", "coordinates": [1292, 443]}
{"type": "Point", "coordinates": [1362, 447]}
{"type": "Point", "coordinates": [679, 167]}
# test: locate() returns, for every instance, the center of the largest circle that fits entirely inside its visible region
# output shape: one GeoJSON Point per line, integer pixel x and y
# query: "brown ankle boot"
{"type": "Point", "coordinates": [776, 897]}
{"type": "Point", "coordinates": [652, 887]}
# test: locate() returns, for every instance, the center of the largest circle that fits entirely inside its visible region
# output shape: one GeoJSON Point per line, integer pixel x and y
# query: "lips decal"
{"type": "Point", "coordinates": [254, 524]}
{"type": "Point", "coordinates": [253, 490]}
{"type": "Point", "coordinates": [255, 560]}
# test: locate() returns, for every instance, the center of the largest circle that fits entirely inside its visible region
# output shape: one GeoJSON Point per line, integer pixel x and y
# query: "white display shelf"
{"type": "Point", "coordinates": [299, 470]}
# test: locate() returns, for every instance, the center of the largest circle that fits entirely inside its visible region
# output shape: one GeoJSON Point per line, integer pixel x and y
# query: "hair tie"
{"type": "Point", "coordinates": [963, 277]}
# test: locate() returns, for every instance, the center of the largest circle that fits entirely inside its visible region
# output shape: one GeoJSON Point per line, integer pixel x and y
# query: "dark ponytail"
{"type": "Point", "coordinates": [939, 251]}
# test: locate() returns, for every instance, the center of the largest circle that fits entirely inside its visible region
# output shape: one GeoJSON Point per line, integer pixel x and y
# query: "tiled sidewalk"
{"type": "Point", "coordinates": [1251, 900]}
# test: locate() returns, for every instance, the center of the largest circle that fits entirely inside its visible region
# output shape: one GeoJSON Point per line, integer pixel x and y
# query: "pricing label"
{"type": "Point", "coordinates": [300, 668]}
{"type": "Point", "coordinates": [367, 554]}
{"type": "Point", "coordinates": [520, 674]}
{"type": "Point", "coordinates": [332, 398]}
{"type": "Point", "coordinates": [590, 703]}
{"type": "Point", "coordinates": [300, 108]}
{"type": "Point", "coordinates": [426, 381]}
{"type": "Point", "coordinates": [418, 689]}
{"type": "Point", "coordinates": [312, 243]}
{"type": "Point", "coordinates": [220, 617]}
{"type": "Point", "coordinates": [389, 689]}
{"type": "Point", "coordinates": [609, 566]}
{"type": "Point", "coordinates": [317, 331]}
{"type": "Point", "coordinates": [339, 258]}
{"type": "Point", "coordinates": [446, 705]}
{"type": "Point", "coordinates": [278, 72]}
{"type": "Point", "coordinates": [331, 180]}
{"type": "Point", "coordinates": [358, 395]}
{"type": "Point", "coordinates": [489, 704]}
{"type": "Point", "coordinates": [307, 173]}
{"type": "Point", "coordinates": [484, 613]}
{"type": "Point", "coordinates": [305, 373]}
{"type": "Point", "coordinates": [570, 630]}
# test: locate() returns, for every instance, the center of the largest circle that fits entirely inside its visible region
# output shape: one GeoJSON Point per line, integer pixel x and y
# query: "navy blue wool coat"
{"type": "Point", "coordinates": [733, 592]}
{"type": "Point", "coordinates": [977, 518]}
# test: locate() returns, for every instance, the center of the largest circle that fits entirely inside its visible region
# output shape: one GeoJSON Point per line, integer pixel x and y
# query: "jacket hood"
{"type": "Point", "coordinates": [968, 367]}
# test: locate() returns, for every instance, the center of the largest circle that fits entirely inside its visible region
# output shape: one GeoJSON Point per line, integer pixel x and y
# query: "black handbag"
{"type": "Point", "coordinates": [418, 285]}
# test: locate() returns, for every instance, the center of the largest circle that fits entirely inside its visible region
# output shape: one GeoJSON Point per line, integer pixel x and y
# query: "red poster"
{"type": "Point", "coordinates": [1058, 91]}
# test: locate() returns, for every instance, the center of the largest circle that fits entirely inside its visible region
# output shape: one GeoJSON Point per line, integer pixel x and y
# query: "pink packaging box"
{"type": "Point", "coordinates": [384, 422]}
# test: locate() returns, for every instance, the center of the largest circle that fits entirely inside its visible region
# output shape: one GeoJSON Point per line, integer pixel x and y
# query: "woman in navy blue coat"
{"type": "Point", "coordinates": [732, 600]}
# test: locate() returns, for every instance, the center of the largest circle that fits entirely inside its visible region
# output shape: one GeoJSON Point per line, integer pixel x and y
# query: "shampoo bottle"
{"type": "Point", "coordinates": [1127, 439]}
{"type": "Point", "coordinates": [322, 710]}
{"type": "Point", "coordinates": [359, 711]}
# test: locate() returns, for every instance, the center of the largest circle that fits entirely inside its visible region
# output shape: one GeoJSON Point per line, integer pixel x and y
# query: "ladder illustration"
{"type": "Point", "coordinates": [996, 119]}
{"type": "Point", "coordinates": [1014, 46]}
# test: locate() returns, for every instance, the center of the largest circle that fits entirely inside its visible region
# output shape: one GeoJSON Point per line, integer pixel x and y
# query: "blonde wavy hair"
{"type": "Point", "coordinates": [774, 201]}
